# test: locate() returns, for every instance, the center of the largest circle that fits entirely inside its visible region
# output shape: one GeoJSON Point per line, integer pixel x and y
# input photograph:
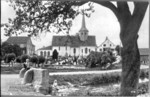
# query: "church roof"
{"type": "Point", "coordinates": [73, 41]}
{"type": "Point", "coordinates": [46, 48]}
{"type": "Point", "coordinates": [107, 40]}
{"type": "Point", "coordinates": [18, 40]}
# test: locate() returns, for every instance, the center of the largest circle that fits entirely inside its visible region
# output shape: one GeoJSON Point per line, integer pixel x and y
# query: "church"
{"type": "Point", "coordinates": [80, 44]}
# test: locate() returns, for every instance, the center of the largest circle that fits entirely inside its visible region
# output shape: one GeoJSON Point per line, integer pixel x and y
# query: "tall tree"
{"type": "Point", "coordinates": [38, 16]}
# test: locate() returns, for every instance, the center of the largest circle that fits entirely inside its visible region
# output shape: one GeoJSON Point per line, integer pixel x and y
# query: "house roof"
{"type": "Point", "coordinates": [18, 40]}
{"type": "Point", "coordinates": [73, 41]}
{"type": "Point", "coordinates": [144, 51]}
{"type": "Point", "coordinates": [46, 48]}
{"type": "Point", "coordinates": [107, 39]}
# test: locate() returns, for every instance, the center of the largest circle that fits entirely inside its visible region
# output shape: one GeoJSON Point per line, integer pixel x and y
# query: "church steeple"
{"type": "Point", "coordinates": [83, 32]}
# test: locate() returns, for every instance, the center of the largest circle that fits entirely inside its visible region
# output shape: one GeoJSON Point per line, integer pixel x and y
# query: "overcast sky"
{"type": "Point", "coordinates": [102, 23]}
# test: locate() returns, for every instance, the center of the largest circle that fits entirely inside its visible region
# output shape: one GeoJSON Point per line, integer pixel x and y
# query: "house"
{"type": "Point", "coordinates": [24, 42]}
{"type": "Point", "coordinates": [107, 44]}
{"type": "Point", "coordinates": [144, 54]}
{"type": "Point", "coordinates": [45, 51]}
{"type": "Point", "coordinates": [75, 45]}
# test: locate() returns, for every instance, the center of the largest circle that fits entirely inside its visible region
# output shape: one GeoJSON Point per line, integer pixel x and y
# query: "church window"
{"type": "Point", "coordinates": [48, 53]}
{"type": "Point", "coordinates": [86, 50]}
{"type": "Point", "coordinates": [74, 50]}
{"type": "Point", "coordinates": [89, 50]}
{"type": "Point", "coordinates": [110, 44]}
{"type": "Point", "coordinates": [104, 45]}
{"type": "Point", "coordinates": [41, 53]}
{"type": "Point", "coordinates": [44, 53]}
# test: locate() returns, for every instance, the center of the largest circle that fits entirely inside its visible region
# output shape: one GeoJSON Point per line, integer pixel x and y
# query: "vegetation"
{"type": "Point", "coordinates": [34, 59]}
{"type": "Point", "coordinates": [92, 79]}
{"type": "Point", "coordinates": [39, 17]}
{"type": "Point", "coordinates": [99, 59]}
{"type": "Point", "coordinates": [55, 55]}
{"type": "Point", "coordinates": [24, 57]}
{"type": "Point", "coordinates": [7, 48]}
{"type": "Point", "coordinates": [18, 59]}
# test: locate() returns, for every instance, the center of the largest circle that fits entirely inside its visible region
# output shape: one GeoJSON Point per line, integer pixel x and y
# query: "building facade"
{"type": "Point", "coordinates": [107, 44]}
{"type": "Point", "coordinates": [78, 45]}
{"type": "Point", "coordinates": [25, 43]}
{"type": "Point", "coordinates": [45, 51]}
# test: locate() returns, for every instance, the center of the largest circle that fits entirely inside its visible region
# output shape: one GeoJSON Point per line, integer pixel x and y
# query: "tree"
{"type": "Point", "coordinates": [24, 57]}
{"type": "Point", "coordinates": [118, 49]}
{"type": "Point", "coordinates": [55, 55]}
{"type": "Point", "coordinates": [9, 48]}
{"type": "Point", "coordinates": [57, 14]}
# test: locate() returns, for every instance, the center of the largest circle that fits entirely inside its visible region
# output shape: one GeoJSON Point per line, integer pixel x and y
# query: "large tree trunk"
{"type": "Point", "coordinates": [130, 25]}
{"type": "Point", "coordinates": [130, 68]}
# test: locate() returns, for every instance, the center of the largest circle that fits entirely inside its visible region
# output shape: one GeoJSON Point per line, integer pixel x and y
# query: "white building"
{"type": "Point", "coordinates": [107, 44]}
{"type": "Point", "coordinates": [78, 45]}
{"type": "Point", "coordinates": [45, 51]}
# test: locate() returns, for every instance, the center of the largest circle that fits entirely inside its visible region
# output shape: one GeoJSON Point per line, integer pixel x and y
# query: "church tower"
{"type": "Point", "coordinates": [83, 32]}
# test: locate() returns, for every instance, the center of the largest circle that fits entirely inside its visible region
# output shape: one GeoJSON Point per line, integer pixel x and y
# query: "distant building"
{"type": "Point", "coordinates": [45, 51]}
{"type": "Point", "coordinates": [78, 45]}
{"type": "Point", "coordinates": [107, 44]}
{"type": "Point", "coordinates": [144, 55]}
{"type": "Point", "coordinates": [24, 42]}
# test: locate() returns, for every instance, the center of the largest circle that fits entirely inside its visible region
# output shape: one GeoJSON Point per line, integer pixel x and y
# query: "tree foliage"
{"type": "Point", "coordinates": [24, 57]}
{"type": "Point", "coordinates": [10, 57]}
{"type": "Point", "coordinates": [55, 54]}
{"type": "Point", "coordinates": [7, 48]}
{"type": "Point", "coordinates": [34, 59]}
{"type": "Point", "coordinates": [36, 16]}
{"type": "Point", "coordinates": [41, 59]}
{"type": "Point", "coordinates": [99, 59]}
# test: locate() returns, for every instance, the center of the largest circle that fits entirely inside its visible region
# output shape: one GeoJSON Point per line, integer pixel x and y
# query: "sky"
{"type": "Point", "coordinates": [102, 23]}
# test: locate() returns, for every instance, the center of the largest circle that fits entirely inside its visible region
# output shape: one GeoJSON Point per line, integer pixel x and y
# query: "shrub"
{"type": "Point", "coordinates": [10, 57]}
{"type": "Point", "coordinates": [90, 79]}
{"type": "Point", "coordinates": [93, 58]}
{"type": "Point", "coordinates": [99, 59]}
{"type": "Point", "coordinates": [18, 59]}
{"type": "Point", "coordinates": [24, 57]}
{"type": "Point", "coordinates": [28, 76]}
{"type": "Point", "coordinates": [55, 54]}
{"type": "Point", "coordinates": [34, 59]}
{"type": "Point", "coordinates": [41, 59]}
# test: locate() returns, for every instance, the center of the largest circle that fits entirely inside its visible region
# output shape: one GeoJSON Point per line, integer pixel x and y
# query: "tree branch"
{"type": "Point", "coordinates": [109, 5]}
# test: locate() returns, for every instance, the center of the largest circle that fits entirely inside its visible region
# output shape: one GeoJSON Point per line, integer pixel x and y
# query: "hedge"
{"type": "Point", "coordinates": [92, 79]}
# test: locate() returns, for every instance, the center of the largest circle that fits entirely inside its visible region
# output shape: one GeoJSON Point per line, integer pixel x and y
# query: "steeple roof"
{"type": "Point", "coordinates": [83, 26]}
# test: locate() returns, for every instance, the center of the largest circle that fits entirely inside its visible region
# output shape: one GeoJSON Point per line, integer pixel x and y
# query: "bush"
{"type": "Point", "coordinates": [10, 57]}
{"type": "Point", "coordinates": [99, 59]}
{"type": "Point", "coordinates": [24, 57]}
{"type": "Point", "coordinates": [34, 59]}
{"type": "Point", "coordinates": [90, 79]}
{"type": "Point", "coordinates": [28, 76]}
{"type": "Point", "coordinates": [18, 59]}
{"type": "Point", "coordinates": [41, 59]}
